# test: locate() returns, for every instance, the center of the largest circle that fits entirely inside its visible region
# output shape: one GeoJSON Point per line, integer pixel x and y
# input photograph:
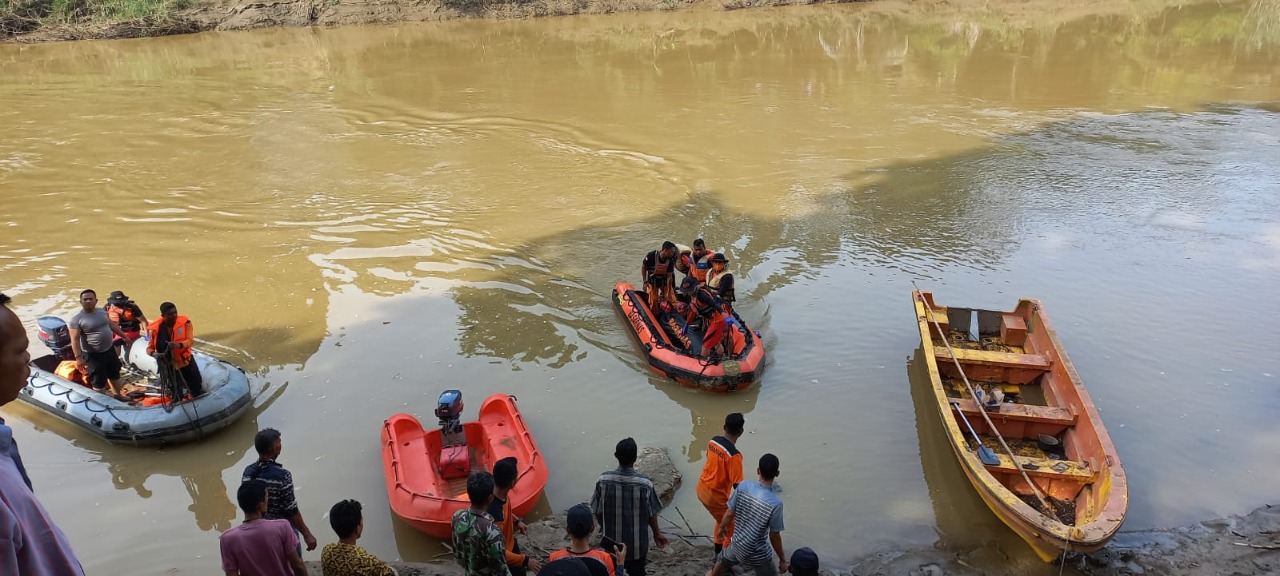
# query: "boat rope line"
{"type": "Point", "coordinates": [981, 410]}
{"type": "Point", "coordinates": [177, 385]}
{"type": "Point", "coordinates": [87, 402]}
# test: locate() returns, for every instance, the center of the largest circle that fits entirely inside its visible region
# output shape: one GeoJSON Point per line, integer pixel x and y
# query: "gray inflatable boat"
{"type": "Point", "coordinates": [225, 398]}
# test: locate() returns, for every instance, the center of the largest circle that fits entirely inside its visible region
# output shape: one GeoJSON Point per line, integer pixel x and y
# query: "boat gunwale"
{"type": "Point", "coordinates": [1031, 525]}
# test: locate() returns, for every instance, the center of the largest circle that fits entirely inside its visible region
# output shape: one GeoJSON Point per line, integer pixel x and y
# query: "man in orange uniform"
{"type": "Point", "coordinates": [721, 474]}
{"type": "Point", "coordinates": [170, 340]}
{"type": "Point", "coordinates": [505, 474]}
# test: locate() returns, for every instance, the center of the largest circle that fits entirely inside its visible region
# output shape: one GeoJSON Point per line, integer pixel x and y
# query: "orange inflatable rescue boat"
{"type": "Point", "coordinates": [426, 470]}
{"type": "Point", "coordinates": [668, 350]}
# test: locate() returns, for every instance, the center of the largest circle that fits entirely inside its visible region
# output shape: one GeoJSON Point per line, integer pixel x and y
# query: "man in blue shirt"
{"type": "Point", "coordinates": [756, 514]}
{"type": "Point", "coordinates": [281, 504]}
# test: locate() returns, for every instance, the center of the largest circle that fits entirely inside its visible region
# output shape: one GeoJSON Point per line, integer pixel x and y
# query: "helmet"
{"type": "Point", "coordinates": [688, 285]}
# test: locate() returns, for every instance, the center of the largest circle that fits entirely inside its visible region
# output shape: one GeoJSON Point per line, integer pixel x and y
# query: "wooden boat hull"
{"type": "Point", "coordinates": [728, 375]}
{"type": "Point", "coordinates": [418, 492]}
{"type": "Point", "coordinates": [1019, 351]}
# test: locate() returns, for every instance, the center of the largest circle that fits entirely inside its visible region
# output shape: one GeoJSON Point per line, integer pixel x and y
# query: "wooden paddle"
{"type": "Point", "coordinates": [991, 425]}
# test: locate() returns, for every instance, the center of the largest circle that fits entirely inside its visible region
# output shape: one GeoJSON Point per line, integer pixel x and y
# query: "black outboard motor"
{"type": "Point", "coordinates": [449, 411]}
{"type": "Point", "coordinates": [54, 333]}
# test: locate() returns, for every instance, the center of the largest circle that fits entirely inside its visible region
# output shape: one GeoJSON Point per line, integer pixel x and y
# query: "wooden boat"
{"type": "Point", "coordinates": [668, 351]}
{"type": "Point", "coordinates": [426, 496]}
{"type": "Point", "coordinates": [1055, 437]}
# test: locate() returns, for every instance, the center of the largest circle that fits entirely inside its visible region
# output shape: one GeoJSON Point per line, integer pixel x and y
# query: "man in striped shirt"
{"type": "Point", "coordinates": [625, 502]}
{"type": "Point", "coordinates": [757, 511]}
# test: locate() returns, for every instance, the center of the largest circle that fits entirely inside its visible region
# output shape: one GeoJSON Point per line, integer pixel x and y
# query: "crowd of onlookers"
{"type": "Point", "coordinates": [624, 507]}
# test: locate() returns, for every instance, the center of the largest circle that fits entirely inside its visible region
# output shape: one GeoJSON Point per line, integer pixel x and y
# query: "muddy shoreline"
{"type": "Point", "coordinates": [208, 15]}
{"type": "Point", "coordinates": [1238, 545]}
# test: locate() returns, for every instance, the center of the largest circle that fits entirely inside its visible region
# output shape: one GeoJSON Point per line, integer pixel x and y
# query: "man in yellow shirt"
{"type": "Point", "coordinates": [721, 474]}
{"type": "Point", "coordinates": [345, 557]}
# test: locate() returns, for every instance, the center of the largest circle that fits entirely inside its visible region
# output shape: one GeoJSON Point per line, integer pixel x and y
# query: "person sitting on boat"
{"type": "Point", "coordinates": [658, 272]}
{"type": "Point", "coordinates": [169, 341]}
{"type": "Point", "coordinates": [706, 306]}
{"type": "Point", "coordinates": [720, 281]}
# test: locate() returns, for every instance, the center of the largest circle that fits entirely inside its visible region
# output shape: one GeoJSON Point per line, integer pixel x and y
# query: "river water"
{"type": "Point", "coordinates": [362, 217]}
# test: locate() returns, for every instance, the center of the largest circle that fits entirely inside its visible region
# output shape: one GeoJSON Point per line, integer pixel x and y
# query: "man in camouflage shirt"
{"type": "Point", "coordinates": [477, 542]}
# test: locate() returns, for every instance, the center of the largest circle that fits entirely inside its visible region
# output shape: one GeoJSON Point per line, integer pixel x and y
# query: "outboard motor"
{"type": "Point", "coordinates": [455, 460]}
{"type": "Point", "coordinates": [54, 333]}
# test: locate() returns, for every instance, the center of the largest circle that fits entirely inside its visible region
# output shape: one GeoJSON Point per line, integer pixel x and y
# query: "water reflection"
{"type": "Point", "coordinates": [200, 466]}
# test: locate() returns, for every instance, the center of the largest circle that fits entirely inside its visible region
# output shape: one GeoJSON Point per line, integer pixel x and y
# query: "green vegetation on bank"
{"type": "Point", "coordinates": [135, 17]}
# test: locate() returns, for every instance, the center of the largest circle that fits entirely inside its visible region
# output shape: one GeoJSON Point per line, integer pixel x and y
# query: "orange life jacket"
{"type": "Point", "coordinates": [67, 370]}
{"type": "Point", "coordinates": [182, 332]}
{"type": "Point", "coordinates": [701, 266]}
{"type": "Point", "coordinates": [124, 316]}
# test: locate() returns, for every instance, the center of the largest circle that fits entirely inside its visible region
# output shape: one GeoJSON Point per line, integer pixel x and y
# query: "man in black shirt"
{"type": "Point", "coordinates": [658, 273]}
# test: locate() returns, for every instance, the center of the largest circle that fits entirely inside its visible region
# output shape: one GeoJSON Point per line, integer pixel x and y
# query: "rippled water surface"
{"type": "Point", "coordinates": [363, 217]}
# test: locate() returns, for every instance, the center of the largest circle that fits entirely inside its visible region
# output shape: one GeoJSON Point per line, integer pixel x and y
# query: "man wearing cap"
{"type": "Point", "coordinates": [758, 514]}
{"type": "Point", "coordinates": [625, 504]}
{"type": "Point", "coordinates": [127, 314]}
{"type": "Point", "coordinates": [658, 272]}
{"type": "Point", "coordinates": [91, 341]}
{"type": "Point", "coordinates": [804, 562]}
{"type": "Point", "coordinates": [721, 474]}
{"type": "Point", "coordinates": [720, 281]}
{"type": "Point", "coordinates": [580, 523]}
{"type": "Point", "coordinates": [121, 310]}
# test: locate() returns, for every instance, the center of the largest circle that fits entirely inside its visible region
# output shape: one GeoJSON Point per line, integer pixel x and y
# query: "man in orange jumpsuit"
{"type": "Point", "coordinates": [721, 474]}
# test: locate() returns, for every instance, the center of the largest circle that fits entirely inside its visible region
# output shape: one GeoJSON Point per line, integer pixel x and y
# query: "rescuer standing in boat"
{"type": "Point", "coordinates": [170, 341]}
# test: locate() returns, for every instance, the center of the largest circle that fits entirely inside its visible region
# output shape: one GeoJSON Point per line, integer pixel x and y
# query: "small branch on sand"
{"type": "Point", "coordinates": [686, 520]}
{"type": "Point", "coordinates": [1258, 546]}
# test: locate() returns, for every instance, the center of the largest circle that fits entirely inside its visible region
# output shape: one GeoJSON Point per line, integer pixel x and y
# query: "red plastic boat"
{"type": "Point", "coordinates": [427, 481]}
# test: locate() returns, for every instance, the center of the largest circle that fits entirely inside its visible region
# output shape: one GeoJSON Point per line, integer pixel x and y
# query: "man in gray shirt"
{"type": "Point", "coordinates": [91, 334]}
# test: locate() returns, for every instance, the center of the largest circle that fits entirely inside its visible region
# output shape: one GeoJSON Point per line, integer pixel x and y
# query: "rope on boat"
{"type": "Point", "coordinates": [87, 402]}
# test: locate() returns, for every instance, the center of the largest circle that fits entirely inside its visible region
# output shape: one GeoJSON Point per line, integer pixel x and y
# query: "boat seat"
{"type": "Point", "coordinates": [1044, 467]}
{"type": "Point", "coordinates": [1013, 412]}
{"type": "Point", "coordinates": [990, 358]}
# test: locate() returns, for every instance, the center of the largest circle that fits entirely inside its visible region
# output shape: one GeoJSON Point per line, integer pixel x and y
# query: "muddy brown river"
{"type": "Point", "coordinates": [363, 217]}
